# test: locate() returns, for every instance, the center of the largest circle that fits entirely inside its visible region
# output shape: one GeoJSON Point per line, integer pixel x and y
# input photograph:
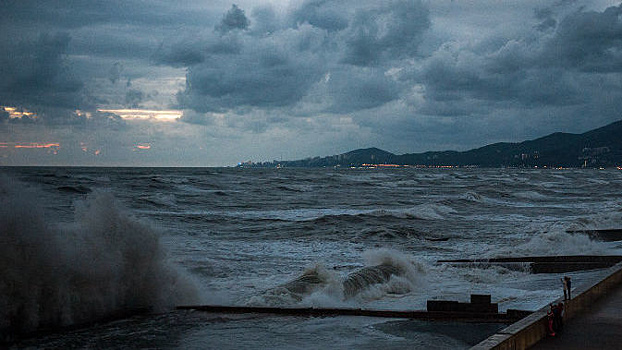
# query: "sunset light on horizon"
{"type": "Point", "coordinates": [145, 114]}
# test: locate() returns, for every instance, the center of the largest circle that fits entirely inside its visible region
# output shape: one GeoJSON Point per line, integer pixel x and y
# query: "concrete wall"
{"type": "Point", "coordinates": [528, 331]}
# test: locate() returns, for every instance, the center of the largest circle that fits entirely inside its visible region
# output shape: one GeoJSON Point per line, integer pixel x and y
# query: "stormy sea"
{"type": "Point", "coordinates": [100, 257]}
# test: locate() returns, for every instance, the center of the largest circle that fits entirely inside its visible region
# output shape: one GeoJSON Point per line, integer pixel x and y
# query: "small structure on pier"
{"type": "Point", "coordinates": [480, 303]}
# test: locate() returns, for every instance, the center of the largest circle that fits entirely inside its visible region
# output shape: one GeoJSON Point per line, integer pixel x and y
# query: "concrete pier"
{"type": "Point", "coordinates": [482, 314]}
{"type": "Point", "coordinates": [600, 327]}
{"type": "Point", "coordinates": [532, 329]}
{"type": "Point", "coordinates": [544, 264]}
{"type": "Point", "coordinates": [606, 235]}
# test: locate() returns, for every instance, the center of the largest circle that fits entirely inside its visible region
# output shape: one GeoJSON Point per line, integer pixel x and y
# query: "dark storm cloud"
{"type": "Point", "coordinates": [271, 61]}
{"type": "Point", "coordinates": [235, 18]}
{"type": "Point", "coordinates": [360, 88]}
{"type": "Point", "coordinates": [323, 14]}
{"type": "Point", "coordinates": [133, 98]}
{"type": "Point", "coordinates": [526, 72]}
{"type": "Point", "coordinates": [390, 31]}
{"type": "Point", "coordinates": [192, 51]}
{"type": "Point", "coordinates": [4, 116]}
{"type": "Point", "coordinates": [84, 13]}
{"type": "Point", "coordinates": [278, 64]}
{"type": "Point", "coordinates": [414, 68]}
{"type": "Point", "coordinates": [263, 75]}
{"type": "Point", "coordinates": [545, 16]}
{"type": "Point", "coordinates": [36, 74]}
{"type": "Point", "coordinates": [265, 20]}
{"type": "Point", "coordinates": [588, 41]}
{"type": "Point", "coordinates": [496, 77]}
{"type": "Point", "coordinates": [114, 74]}
{"type": "Point", "coordinates": [180, 54]}
{"type": "Point", "coordinates": [39, 77]}
{"type": "Point", "coordinates": [54, 52]}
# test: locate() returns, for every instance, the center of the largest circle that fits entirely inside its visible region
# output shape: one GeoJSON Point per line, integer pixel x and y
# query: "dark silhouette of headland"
{"type": "Point", "coordinates": [598, 148]}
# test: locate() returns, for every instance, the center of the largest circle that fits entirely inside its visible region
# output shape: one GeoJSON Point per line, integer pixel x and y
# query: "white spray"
{"type": "Point", "coordinates": [105, 262]}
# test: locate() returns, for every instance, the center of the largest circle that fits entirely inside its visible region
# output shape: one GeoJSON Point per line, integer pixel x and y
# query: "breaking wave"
{"type": "Point", "coordinates": [556, 241]}
{"type": "Point", "coordinates": [104, 263]}
{"type": "Point", "coordinates": [312, 279]}
{"type": "Point", "coordinates": [387, 272]}
{"type": "Point", "coordinates": [406, 275]}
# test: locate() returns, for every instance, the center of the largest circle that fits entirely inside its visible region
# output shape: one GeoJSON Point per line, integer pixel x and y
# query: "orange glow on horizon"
{"type": "Point", "coordinates": [145, 114]}
{"type": "Point", "coordinates": [31, 145]}
{"type": "Point", "coordinates": [15, 113]}
{"type": "Point", "coordinates": [50, 147]}
{"type": "Point", "coordinates": [37, 145]}
{"type": "Point", "coordinates": [143, 146]}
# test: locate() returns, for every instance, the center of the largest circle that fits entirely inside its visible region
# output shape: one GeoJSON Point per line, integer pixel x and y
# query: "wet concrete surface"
{"type": "Point", "coordinates": [599, 328]}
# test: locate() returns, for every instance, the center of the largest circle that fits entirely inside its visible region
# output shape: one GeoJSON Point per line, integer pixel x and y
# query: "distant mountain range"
{"type": "Point", "coordinates": [597, 148]}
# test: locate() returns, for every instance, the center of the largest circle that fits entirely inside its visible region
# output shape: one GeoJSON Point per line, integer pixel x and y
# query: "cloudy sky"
{"type": "Point", "coordinates": [213, 83]}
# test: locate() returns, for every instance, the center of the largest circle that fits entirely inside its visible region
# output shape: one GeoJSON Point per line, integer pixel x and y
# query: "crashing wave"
{"type": "Point", "coordinates": [359, 280]}
{"type": "Point", "coordinates": [104, 263]}
{"type": "Point", "coordinates": [389, 273]}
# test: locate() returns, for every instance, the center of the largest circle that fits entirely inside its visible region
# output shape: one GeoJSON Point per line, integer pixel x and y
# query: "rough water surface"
{"type": "Point", "coordinates": [81, 244]}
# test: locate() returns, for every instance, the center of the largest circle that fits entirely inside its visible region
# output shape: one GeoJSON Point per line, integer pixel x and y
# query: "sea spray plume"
{"type": "Point", "coordinates": [106, 262]}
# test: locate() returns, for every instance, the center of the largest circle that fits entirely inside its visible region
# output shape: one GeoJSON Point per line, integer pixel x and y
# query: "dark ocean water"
{"type": "Point", "coordinates": [79, 244]}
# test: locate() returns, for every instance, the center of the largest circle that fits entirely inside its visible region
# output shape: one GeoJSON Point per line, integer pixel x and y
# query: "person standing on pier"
{"type": "Point", "coordinates": [550, 321]}
{"type": "Point", "coordinates": [567, 283]}
{"type": "Point", "coordinates": [558, 321]}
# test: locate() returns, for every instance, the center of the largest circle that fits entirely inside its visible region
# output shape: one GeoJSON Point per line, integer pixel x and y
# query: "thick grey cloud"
{"type": "Point", "coordinates": [587, 41]}
{"type": "Point", "coordinates": [234, 19]}
{"type": "Point", "coordinates": [361, 88]}
{"type": "Point", "coordinates": [261, 76]}
{"type": "Point", "coordinates": [114, 74]}
{"type": "Point", "coordinates": [180, 54]}
{"type": "Point", "coordinates": [133, 98]}
{"type": "Point", "coordinates": [390, 31]}
{"type": "Point", "coordinates": [282, 66]}
{"type": "Point", "coordinates": [398, 73]}
{"type": "Point", "coordinates": [528, 72]}
{"type": "Point", "coordinates": [37, 75]}
{"type": "Point", "coordinates": [545, 15]}
{"type": "Point", "coordinates": [56, 53]}
{"type": "Point", "coordinates": [86, 13]}
{"type": "Point", "coordinates": [323, 14]}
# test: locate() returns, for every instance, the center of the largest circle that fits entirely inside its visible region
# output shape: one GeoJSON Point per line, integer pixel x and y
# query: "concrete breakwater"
{"type": "Point", "coordinates": [528, 331]}
{"type": "Point", "coordinates": [543, 264]}
{"type": "Point", "coordinates": [606, 235]}
{"type": "Point", "coordinates": [441, 311]}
